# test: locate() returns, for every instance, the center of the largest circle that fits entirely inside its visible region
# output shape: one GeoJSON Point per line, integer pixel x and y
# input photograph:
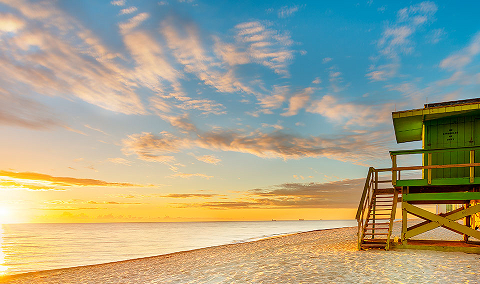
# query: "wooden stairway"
{"type": "Point", "coordinates": [378, 228]}
{"type": "Point", "coordinates": [376, 213]}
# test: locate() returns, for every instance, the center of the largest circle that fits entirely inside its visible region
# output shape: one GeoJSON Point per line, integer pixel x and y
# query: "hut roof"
{"type": "Point", "coordinates": [408, 124]}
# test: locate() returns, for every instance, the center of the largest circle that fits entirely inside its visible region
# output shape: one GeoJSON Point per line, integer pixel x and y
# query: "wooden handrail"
{"type": "Point", "coordinates": [423, 151]}
{"type": "Point", "coordinates": [364, 194]}
{"type": "Point", "coordinates": [428, 167]}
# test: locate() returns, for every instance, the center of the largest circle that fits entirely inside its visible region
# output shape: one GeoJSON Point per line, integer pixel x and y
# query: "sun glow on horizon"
{"type": "Point", "coordinates": [3, 267]}
{"type": "Point", "coordinates": [5, 215]}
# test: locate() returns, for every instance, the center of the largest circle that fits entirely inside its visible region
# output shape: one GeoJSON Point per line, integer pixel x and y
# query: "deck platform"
{"type": "Point", "coordinates": [440, 245]}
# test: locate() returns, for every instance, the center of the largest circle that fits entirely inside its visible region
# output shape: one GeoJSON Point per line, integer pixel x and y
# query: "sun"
{"type": "Point", "coordinates": [4, 215]}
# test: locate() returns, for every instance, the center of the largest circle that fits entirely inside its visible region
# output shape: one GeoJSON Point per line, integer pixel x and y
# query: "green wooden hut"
{"type": "Point", "coordinates": [449, 174]}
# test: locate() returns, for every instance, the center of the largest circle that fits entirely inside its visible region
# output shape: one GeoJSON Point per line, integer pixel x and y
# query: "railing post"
{"type": "Point", "coordinates": [374, 203]}
{"type": "Point", "coordinates": [472, 169]}
{"type": "Point", "coordinates": [394, 173]}
{"type": "Point", "coordinates": [429, 171]}
{"type": "Point", "coordinates": [405, 191]}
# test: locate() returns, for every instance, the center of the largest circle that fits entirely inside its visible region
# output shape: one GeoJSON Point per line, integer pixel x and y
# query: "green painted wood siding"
{"type": "Point", "coordinates": [452, 132]}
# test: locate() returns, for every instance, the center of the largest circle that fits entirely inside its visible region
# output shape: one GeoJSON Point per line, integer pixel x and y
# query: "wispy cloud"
{"type": "Point", "coordinates": [338, 194]}
{"type": "Point", "coordinates": [37, 181]}
{"type": "Point", "coordinates": [118, 2]}
{"type": "Point", "coordinates": [350, 114]}
{"type": "Point", "coordinates": [397, 39]}
{"type": "Point", "coordinates": [96, 129]}
{"type": "Point", "coordinates": [354, 147]}
{"type": "Point", "coordinates": [10, 23]}
{"type": "Point", "coordinates": [266, 46]}
{"type": "Point", "coordinates": [298, 101]}
{"type": "Point", "coordinates": [287, 11]}
{"type": "Point", "coordinates": [40, 60]}
{"type": "Point", "coordinates": [128, 10]}
{"type": "Point", "coordinates": [120, 161]}
{"type": "Point", "coordinates": [190, 195]}
{"type": "Point", "coordinates": [209, 159]}
{"type": "Point", "coordinates": [435, 36]}
{"type": "Point", "coordinates": [24, 112]}
{"type": "Point", "coordinates": [462, 58]}
{"type": "Point", "coordinates": [326, 60]}
{"type": "Point", "coordinates": [187, 175]}
{"type": "Point", "coordinates": [133, 22]}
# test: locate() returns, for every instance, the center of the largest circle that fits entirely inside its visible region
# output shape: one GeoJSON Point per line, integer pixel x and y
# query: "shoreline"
{"type": "Point", "coordinates": [250, 240]}
{"type": "Point", "coordinates": [326, 255]}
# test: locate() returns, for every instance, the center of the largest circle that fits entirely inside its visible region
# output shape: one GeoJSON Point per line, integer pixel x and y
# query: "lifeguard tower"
{"type": "Point", "coordinates": [450, 174]}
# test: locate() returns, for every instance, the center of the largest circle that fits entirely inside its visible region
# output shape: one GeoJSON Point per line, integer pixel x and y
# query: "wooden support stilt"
{"type": "Point", "coordinates": [404, 223]}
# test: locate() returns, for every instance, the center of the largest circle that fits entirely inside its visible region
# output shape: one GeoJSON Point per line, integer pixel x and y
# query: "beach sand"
{"type": "Point", "coordinates": [326, 256]}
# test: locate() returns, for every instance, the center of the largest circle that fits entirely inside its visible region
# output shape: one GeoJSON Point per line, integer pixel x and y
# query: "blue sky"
{"type": "Point", "coordinates": [216, 102]}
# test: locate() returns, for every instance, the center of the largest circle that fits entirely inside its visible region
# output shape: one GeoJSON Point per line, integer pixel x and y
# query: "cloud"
{"type": "Point", "coordinates": [187, 176]}
{"type": "Point", "coordinates": [266, 46]}
{"type": "Point", "coordinates": [275, 99]}
{"type": "Point", "coordinates": [397, 39]}
{"type": "Point", "coordinates": [298, 101]}
{"type": "Point", "coordinates": [230, 54]}
{"type": "Point", "coordinates": [326, 60]}
{"type": "Point", "coordinates": [187, 48]}
{"type": "Point", "coordinates": [287, 11]}
{"type": "Point", "coordinates": [54, 55]}
{"type": "Point", "coordinates": [181, 122]}
{"type": "Point", "coordinates": [128, 10]}
{"type": "Point", "coordinates": [121, 161]}
{"type": "Point", "coordinates": [436, 36]}
{"type": "Point", "coordinates": [10, 23]}
{"type": "Point", "coordinates": [317, 81]}
{"type": "Point", "coordinates": [149, 147]}
{"type": "Point", "coordinates": [20, 111]}
{"type": "Point", "coordinates": [96, 129]}
{"type": "Point", "coordinates": [118, 2]}
{"type": "Point", "coordinates": [351, 113]}
{"type": "Point", "coordinates": [338, 194]}
{"type": "Point", "coordinates": [8, 183]}
{"type": "Point", "coordinates": [462, 58]}
{"type": "Point", "coordinates": [354, 147]}
{"type": "Point", "coordinates": [335, 78]}
{"type": "Point", "coordinates": [209, 159]}
{"type": "Point", "coordinates": [276, 126]}
{"type": "Point", "coordinates": [384, 72]}
{"type": "Point", "coordinates": [44, 179]}
{"type": "Point", "coordinates": [133, 22]}
{"type": "Point", "coordinates": [189, 195]}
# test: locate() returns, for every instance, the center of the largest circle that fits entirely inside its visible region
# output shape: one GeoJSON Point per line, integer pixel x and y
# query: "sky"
{"type": "Point", "coordinates": [174, 111]}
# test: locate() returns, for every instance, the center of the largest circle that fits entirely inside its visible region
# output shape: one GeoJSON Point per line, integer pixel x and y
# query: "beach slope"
{"type": "Point", "coordinates": [326, 256]}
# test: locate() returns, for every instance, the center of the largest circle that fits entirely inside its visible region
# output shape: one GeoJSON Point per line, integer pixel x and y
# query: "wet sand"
{"type": "Point", "coordinates": [326, 256]}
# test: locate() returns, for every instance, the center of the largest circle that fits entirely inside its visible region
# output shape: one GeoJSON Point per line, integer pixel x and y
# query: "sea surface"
{"type": "Point", "coordinates": [35, 247]}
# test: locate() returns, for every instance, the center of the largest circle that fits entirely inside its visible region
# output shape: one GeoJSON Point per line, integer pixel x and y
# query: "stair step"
{"type": "Point", "coordinates": [374, 245]}
{"type": "Point", "coordinates": [377, 228]}
{"type": "Point", "coordinates": [375, 234]}
{"type": "Point", "coordinates": [385, 223]}
{"type": "Point", "coordinates": [374, 241]}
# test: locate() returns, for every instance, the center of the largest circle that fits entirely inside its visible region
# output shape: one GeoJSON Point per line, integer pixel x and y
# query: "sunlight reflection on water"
{"type": "Point", "coordinates": [34, 247]}
{"type": "Point", "coordinates": [3, 267]}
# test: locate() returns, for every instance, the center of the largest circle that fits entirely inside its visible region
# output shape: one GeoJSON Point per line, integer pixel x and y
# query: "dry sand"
{"type": "Point", "coordinates": [327, 256]}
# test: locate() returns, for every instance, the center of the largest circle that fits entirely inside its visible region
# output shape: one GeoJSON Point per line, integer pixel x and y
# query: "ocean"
{"type": "Point", "coordinates": [36, 247]}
